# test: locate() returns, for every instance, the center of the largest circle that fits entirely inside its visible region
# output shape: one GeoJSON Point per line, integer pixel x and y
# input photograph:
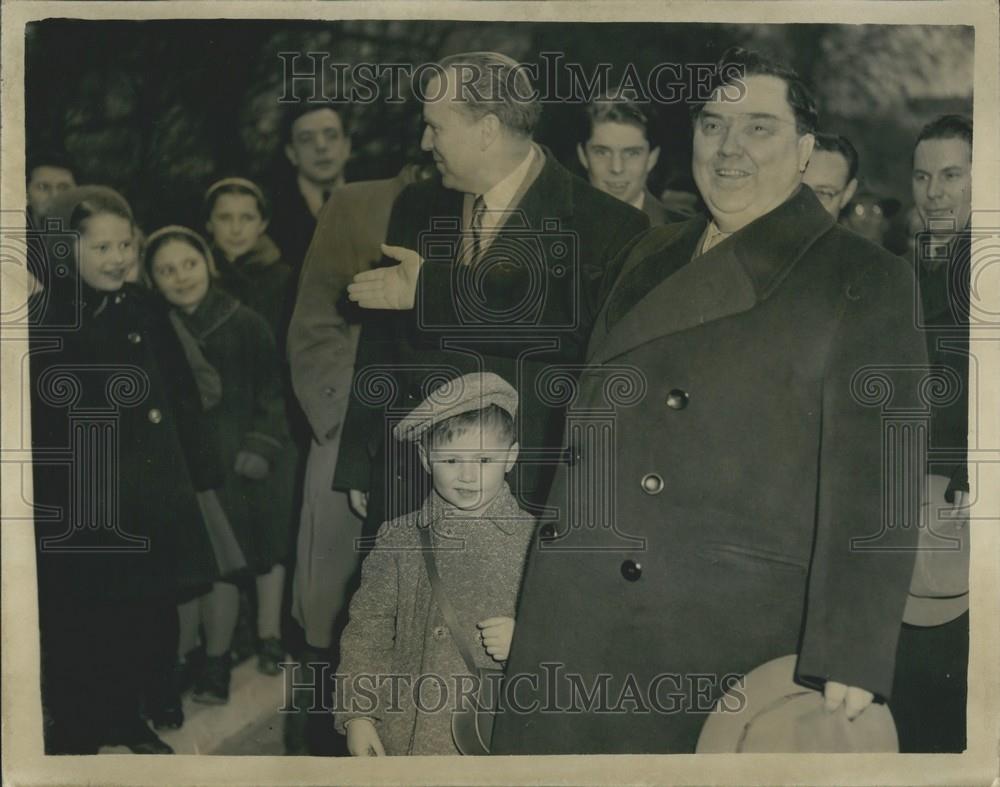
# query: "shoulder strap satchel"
{"type": "Point", "coordinates": [471, 726]}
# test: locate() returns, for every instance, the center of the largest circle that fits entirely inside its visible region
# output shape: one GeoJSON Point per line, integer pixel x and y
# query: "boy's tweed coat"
{"type": "Point", "coordinates": [397, 629]}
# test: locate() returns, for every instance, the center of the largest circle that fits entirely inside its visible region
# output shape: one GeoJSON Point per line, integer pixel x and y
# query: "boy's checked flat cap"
{"type": "Point", "coordinates": [460, 395]}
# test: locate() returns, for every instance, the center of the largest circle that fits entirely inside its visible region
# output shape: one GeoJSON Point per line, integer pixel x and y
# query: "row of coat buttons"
{"type": "Point", "coordinates": [652, 483]}
{"type": "Point", "coordinates": [154, 415]}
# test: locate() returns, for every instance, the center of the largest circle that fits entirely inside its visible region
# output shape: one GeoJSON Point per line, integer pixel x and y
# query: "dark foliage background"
{"type": "Point", "coordinates": [160, 108]}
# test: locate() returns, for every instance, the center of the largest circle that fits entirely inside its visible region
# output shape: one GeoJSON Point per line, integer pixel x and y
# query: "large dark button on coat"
{"type": "Point", "coordinates": [652, 484]}
{"type": "Point", "coordinates": [631, 570]}
{"type": "Point", "coordinates": [677, 399]}
{"type": "Point", "coordinates": [547, 532]}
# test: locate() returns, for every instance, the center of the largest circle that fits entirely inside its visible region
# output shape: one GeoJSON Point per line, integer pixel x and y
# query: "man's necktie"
{"type": "Point", "coordinates": [478, 208]}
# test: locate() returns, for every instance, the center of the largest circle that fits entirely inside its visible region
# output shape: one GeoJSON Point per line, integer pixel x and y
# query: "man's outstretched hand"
{"type": "Point", "coordinates": [854, 700]}
{"type": "Point", "coordinates": [388, 288]}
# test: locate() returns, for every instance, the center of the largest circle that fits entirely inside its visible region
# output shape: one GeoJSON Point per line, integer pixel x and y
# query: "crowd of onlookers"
{"type": "Point", "coordinates": [201, 380]}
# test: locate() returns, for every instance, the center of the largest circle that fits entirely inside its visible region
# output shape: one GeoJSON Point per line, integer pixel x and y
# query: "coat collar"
{"type": "Point", "coordinates": [549, 197]}
{"type": "Point", "coordinates": [217, 307]}
{"type": "Point", "coordinates": [663, 290]}
{"type": "Point", "coordinates": [503, 512]}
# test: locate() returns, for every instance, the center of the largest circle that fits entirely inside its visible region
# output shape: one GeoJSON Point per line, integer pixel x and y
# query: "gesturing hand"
{"type": "Point", "coordinates": [496, 635]}
{"type": "Point", "coordinates": [854, 699]}
{"type": "Point", "coordinates": [388, 288]}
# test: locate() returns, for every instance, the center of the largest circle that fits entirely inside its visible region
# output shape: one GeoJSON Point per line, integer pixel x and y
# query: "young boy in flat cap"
{"type": "Point", "coordinates": [400, 662]}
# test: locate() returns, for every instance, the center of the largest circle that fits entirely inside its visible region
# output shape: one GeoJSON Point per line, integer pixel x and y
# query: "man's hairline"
{"type": "Point", "coordinates": [847, 165]}
{"type": "Point", "coordinates": [787, 98]}
{"type": "Point", "coordinates": [633, 124]}
{"type": "Point", "coordinates": [291, 128]}
{"type": "Point", "coordinates": [957, 136]}
{"type": "Point", "coordinates": [35, 167]}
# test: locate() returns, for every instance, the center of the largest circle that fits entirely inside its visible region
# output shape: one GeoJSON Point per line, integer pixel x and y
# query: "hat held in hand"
{"type": "Point", "coordinates": [460, 395]}
{"type": "Point", "coordinates": [939, 590]}
{"type": "Point", "coordinates": [771, 713]}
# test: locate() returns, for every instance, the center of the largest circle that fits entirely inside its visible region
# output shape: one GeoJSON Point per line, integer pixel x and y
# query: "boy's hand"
{"type": "Point", "coordinates": [363, 739]}
{"type": "Point", "coordinates": [359, 502]}
{"type": "Point", "coordinates": [496, 634]}
{"type": "Point", "coordinates": [854, 699]}
{"type": "Point", "coordinates": [252, 466]}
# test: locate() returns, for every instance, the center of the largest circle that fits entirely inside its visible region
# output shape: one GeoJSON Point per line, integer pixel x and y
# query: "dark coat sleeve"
{"type": "Point", "coordinates": [269, 432]}
{"type": "Point", "coordinates": [860, 571]}
{"type": "Point", "coordinates": [619, 246]}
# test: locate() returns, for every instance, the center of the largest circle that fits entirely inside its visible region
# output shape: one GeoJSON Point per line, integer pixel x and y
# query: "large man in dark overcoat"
{"type": "Point", "coordinates": [722, 504]}
{"type": "Point", "coordinates": [503, 261]}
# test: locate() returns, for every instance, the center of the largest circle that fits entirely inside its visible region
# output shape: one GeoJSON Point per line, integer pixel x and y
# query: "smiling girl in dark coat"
{"type": "Point", "coordinates": [116, 429]}
{"type": "Point", "coordinates": [237, 364]}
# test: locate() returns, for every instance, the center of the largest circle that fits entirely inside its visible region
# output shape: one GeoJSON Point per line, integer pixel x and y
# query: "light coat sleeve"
{"type": "Point", "coordinates": [321, 343]}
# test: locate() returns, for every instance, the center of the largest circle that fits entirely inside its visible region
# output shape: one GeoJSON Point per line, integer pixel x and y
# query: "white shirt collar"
{"type": "Point", "coordinates": [713, 236]}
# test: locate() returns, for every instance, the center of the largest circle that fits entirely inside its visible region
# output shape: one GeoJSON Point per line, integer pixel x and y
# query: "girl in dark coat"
{"type": "Point", "coordinates": [249, 263]}
{"type": "Point", "coordinates": [116, 431]}
{"type": "Point", "coordinates": [236, 362]}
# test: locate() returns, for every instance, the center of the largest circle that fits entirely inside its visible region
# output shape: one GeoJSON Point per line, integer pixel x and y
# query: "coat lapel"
{"type": "Point", "coordinates": [549, 197]}
{"type": "Point", "coordinates": [666, 291]}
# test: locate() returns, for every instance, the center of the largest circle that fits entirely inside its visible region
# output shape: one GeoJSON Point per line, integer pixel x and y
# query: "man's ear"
{"type": "Point", "coordinates": [848, 193]}
{"type": "Point", "coordinates": [582, 156]}
{"type": "Point", "coordinates": [293, 157]}
{"type": "Point", "coordinates": [654, 156]}
{"type": "Point", "coordinates": [424, 459]}
{"type": "Point", "coordinates": [806, 144]}
{"type": "Point", "coordinates": [512, 454]}
{"type": "Point", "coordinates": [489, 130]}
